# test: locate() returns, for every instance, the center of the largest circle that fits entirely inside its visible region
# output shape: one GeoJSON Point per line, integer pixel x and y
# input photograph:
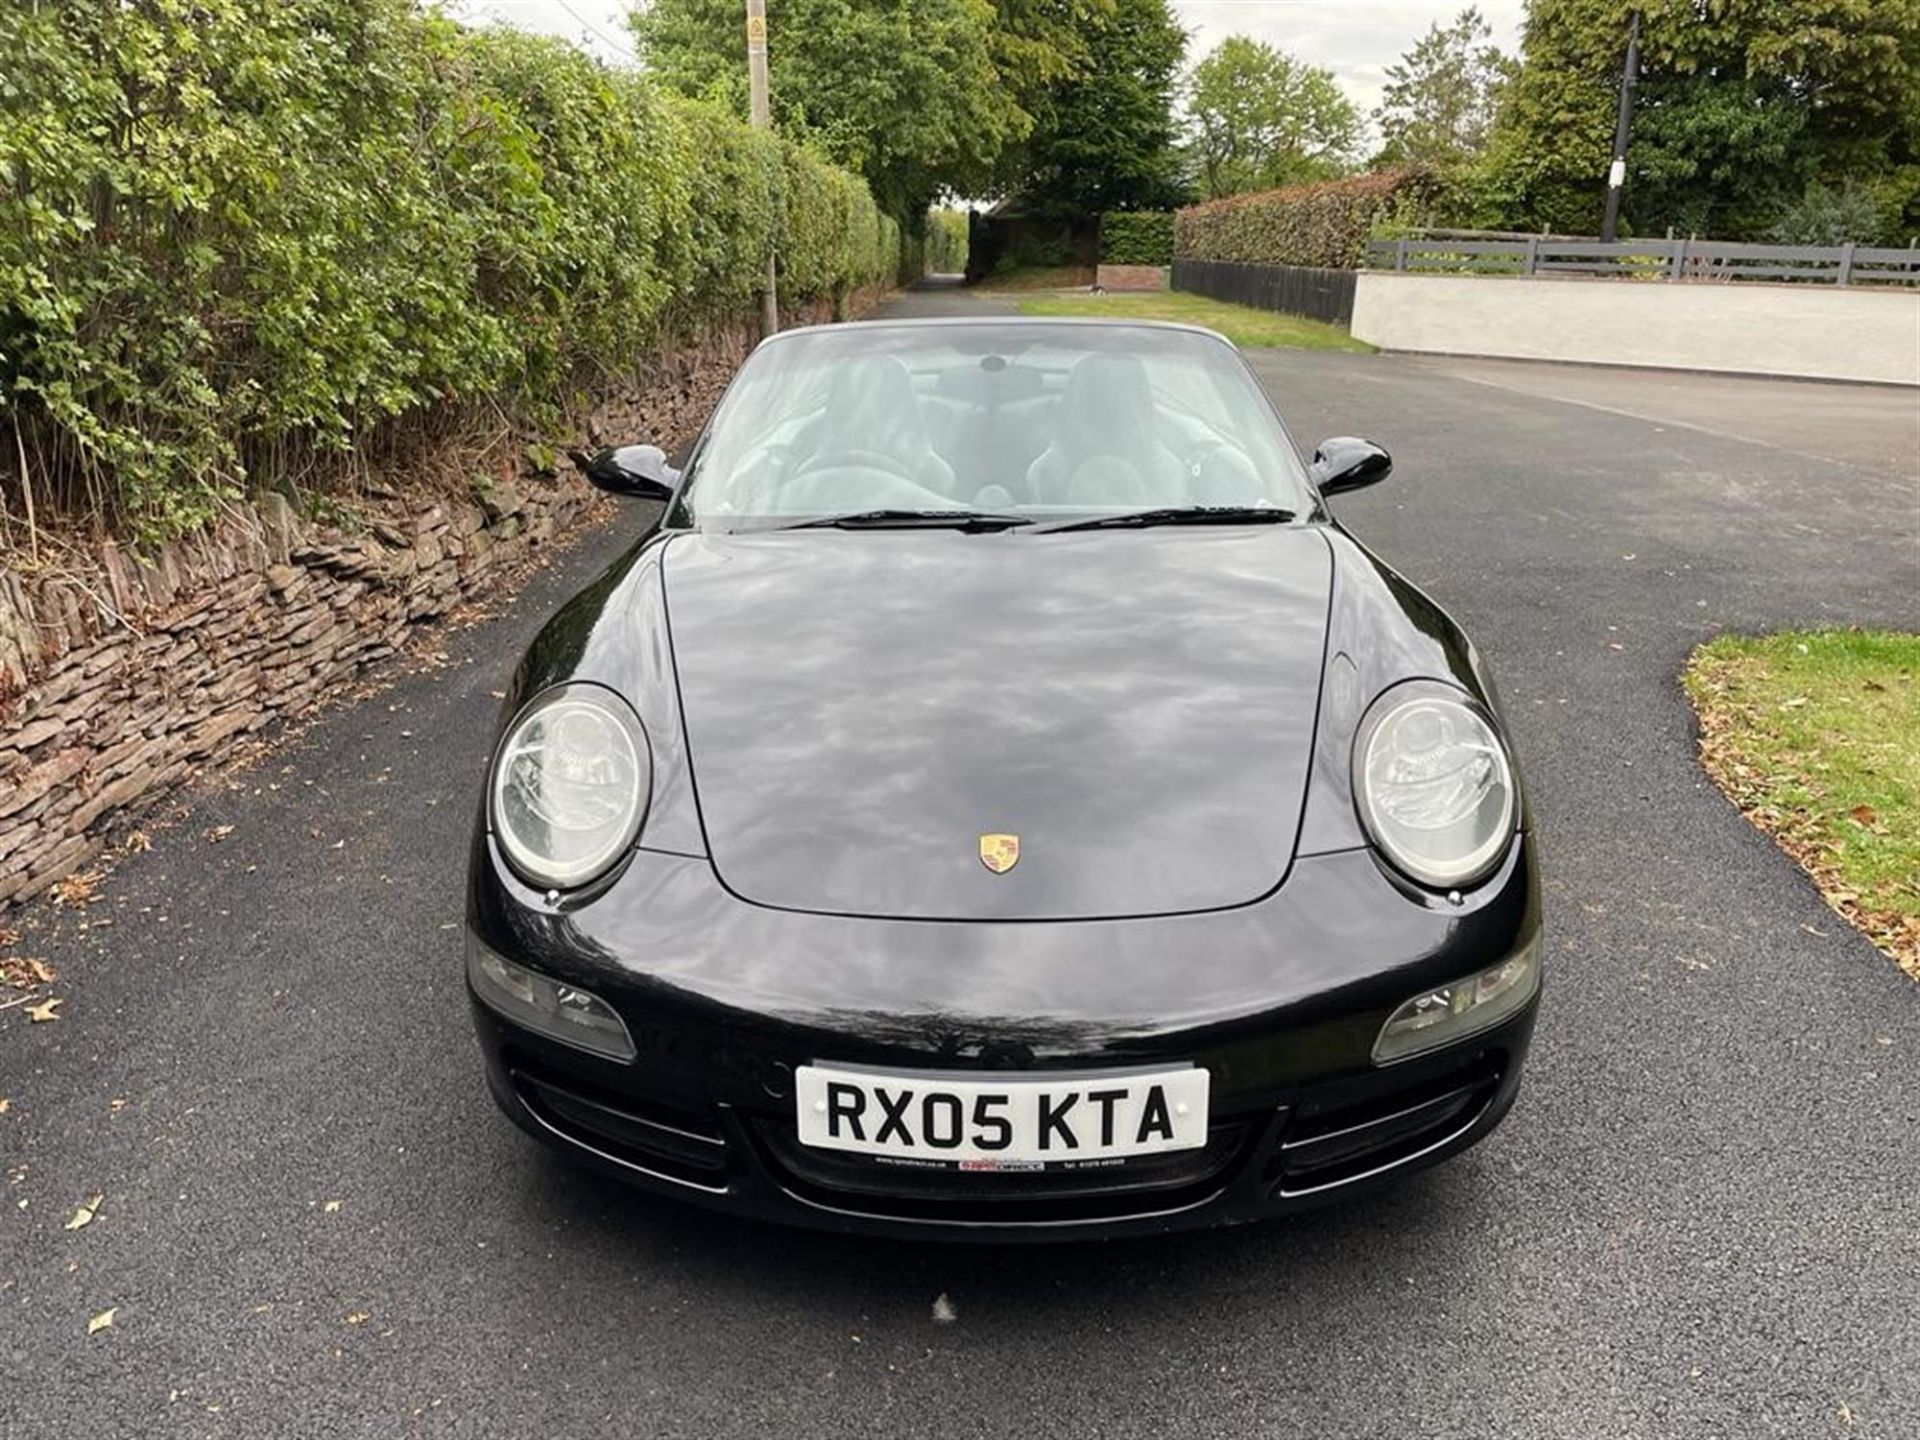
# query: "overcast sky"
{"type": "Point", "coordinates": [1356, 39]}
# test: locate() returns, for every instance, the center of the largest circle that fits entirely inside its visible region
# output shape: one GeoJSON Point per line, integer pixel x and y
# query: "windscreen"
{"type": "Point", "coordinates": [1022, 419]}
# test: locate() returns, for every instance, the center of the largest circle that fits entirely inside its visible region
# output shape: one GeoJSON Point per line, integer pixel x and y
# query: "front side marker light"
{"type": "Point", "coordinates": [547, 1006]}
{"type": "Point", "coordinates": [1452, 1012]}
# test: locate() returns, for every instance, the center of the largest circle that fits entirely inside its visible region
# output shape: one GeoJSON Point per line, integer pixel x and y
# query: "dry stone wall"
{"type": "Point", "coordinates": [122, 676]}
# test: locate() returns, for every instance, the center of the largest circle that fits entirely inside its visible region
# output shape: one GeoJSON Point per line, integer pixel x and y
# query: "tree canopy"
{"type": "Point", "coordinates": [1103, 135]}
{"type": "Point", "coordinates": [1440, 101]}
{"type": "Point", "coordinates": [1744, 110]}
{"type": "Point", "coordinates": [915, 95]}
{"type": "Point", "coordinates": [1258, 119]}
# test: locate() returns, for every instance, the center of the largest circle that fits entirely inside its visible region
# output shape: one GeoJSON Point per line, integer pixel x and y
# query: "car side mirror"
{"type": "Point", "coordinates": [1344, 463]}
{"type": "Point", "coordinates": [637, 470]}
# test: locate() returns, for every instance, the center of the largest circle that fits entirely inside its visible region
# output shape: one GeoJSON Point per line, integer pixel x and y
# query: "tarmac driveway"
{"type": "Point", "coordinates": [1702, 1220]}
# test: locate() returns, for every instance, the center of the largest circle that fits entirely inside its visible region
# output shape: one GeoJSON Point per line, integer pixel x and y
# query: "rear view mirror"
{"type": "Point", "coordinates": [1344, 463]}
{"type": "Point", "coordinates": [638, 470]}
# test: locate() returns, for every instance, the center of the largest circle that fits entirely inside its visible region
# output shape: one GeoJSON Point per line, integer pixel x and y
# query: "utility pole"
{"type": "Point", "coordinates": [1622, 128]}
{"type": "Point", "coordinates": [762, 120]}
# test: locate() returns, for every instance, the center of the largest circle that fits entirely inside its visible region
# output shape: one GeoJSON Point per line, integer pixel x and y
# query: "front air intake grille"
{"type": "Point", "coordinates": [1142, 1185]}
{"type": "Point", "coordinates": [666, 1143]}
{"type": "Point", "coordinates": [1327, 1147]}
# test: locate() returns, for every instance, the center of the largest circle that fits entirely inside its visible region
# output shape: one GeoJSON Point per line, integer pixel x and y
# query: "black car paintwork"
{"type": "Point", "coordinates": [1279, 1000]}
{"type": "Point", "coordinates": [1338, 943]}
{"type": "Point", "coordinates": [1380, 629]}
{"type": "Point", "coordinates": [1280, 991]}
{"type": "Point", "coordinates": [1138, 708]}
{"type": "Point", "coordinates": [649, 920]}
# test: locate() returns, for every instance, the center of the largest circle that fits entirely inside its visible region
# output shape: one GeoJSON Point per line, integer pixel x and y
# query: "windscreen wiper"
{"type": "Point", "coordinates": [908, 520]}
{"type": "Point", "coordinates": [1176, 515]}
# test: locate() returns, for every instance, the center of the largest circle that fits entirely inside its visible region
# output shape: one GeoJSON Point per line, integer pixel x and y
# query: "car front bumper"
{"type": "Point", "coordinates": [1280, 1000]}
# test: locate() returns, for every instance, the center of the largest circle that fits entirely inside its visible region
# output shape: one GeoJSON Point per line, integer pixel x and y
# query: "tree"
{"type": "Point", "coordinates": [907, 93]}
{"type": "Point", "coordinates": [1103, 135]}
{"type": "Point", "coordinates": [1828, 217]}
{"type": "Point", "coordinates": [1040, 44]}
{"type": "Point", "coordinates": [1440, 100]}
{"type": "Point", "coordinates": [1258, 119]}
{"type": "Point", "coordinates": [1742, 107]}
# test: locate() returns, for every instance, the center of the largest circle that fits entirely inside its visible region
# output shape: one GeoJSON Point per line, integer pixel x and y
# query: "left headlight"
{"type": "Point", "coordinates": [1453, 1012]}
{"type": "Point", "coordinates": [570, 785]}
{"type": "Point", "coordinates": [1433, 784]}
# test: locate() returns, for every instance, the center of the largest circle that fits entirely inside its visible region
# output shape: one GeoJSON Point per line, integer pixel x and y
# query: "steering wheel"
{"type": "Point", "coordinates": [857, 460]}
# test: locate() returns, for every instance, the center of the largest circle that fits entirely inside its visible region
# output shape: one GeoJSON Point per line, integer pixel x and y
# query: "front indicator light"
{"type": "Point", "coordinates": [548, 1007]}
{"type": "Point", "coordinates": [1466, 1007]}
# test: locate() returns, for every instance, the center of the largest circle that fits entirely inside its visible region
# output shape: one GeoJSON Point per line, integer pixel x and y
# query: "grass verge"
{"type": "Point", "coordinates": [1242, 324]}
{"type": "Point", "coordinates": [1038, 277]}
{"type": "Point", "coordinates": [1815, 735]}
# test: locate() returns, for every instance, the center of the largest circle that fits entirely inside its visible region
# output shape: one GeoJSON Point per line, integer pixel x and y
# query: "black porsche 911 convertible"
{"type": "Point", "coordinates": [996, 799]}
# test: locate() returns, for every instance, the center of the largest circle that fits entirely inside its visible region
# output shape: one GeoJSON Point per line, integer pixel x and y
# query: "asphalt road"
{"type": "Point", "coordinates": [1702, 1220]}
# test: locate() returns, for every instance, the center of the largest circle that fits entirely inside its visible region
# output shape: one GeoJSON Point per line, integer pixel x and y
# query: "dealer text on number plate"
{"type": "Point", "coordinates": [1002, 1120]}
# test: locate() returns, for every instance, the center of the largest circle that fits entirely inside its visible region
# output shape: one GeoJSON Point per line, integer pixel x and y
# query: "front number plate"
{"type": "Point", "coordinates": [1002, 1120]}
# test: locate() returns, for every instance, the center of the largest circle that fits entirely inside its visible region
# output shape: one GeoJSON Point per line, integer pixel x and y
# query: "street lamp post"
{"type": "Point", "coordinates": [1622, 129]}
{"type": "Point", "coordinates": [762, 118]}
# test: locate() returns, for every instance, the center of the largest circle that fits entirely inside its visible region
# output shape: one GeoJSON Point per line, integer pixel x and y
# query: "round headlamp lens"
{"type": "Point", "coordinates": [1434, 785]}
{"type": "Point", "coordinates": [570, 785]}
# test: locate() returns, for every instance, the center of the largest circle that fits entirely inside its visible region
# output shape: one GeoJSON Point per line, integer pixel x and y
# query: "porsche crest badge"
{"type": "Point", "coordinates": [999, 853]}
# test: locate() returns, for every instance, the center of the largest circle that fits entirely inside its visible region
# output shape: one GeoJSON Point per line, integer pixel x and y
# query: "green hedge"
{"type": "Point", "coordinates": [1136, 237]}
{"type": "Point", "coordinates": [1325, 225]}
{"type": "Point", "coordinates": [239, 233]}
{"type": "Point", "coordinates": [947, 242]}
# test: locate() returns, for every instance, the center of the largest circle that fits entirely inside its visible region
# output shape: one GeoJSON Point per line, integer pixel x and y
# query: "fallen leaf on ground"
{"type": "Point", "coordinates": [331, 1206]}
{"type": "Point", "coordinates": [23, 973]}
{"type": "Point", "coordinates": [358, 1317]}
{"type": "Point", "coordinates": [102, 1320]}
{"type": "Point", "coordinates": [78, 890]}
{"type": "Point", "coordinates": [83, 1217]}
{"type": "Point", "coordinates": [9, 936]}
{"type": "Point", "coordinates": [5, 1104]}
{"type": "Point", "coordinates": [1861, 814]}
{"type": "Point", "coordinates": [45, 1010]}
{"type": "Point", "coordinates": [219, 833]}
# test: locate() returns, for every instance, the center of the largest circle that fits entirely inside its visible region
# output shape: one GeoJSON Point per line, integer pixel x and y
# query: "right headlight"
{"type": "Point", "coordinates": [552, 1007]}
{"type": "Point", "coordinates": [570, 785]}
{"type": "Point", "coordinates": [1433, 784]}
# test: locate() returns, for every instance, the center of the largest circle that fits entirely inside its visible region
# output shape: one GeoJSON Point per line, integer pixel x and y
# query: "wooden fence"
{"type": "Point", "coordinates": [1297, 289]}
{"type": "Point", "coordinates": [1696, 260]}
